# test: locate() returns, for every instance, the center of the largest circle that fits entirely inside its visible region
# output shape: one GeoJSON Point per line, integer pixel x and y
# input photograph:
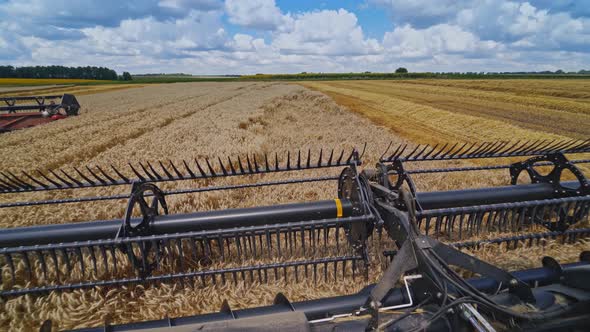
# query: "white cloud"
{"type": "Point", "coordinates": [192, 36]}
{"type": "Point", "coordinates": [327, 32]}
{"type": "Point", "coordinates": [408, 42]}
{"type": "Point", "coordinates": [523, 25]}
{"type": "Point", "coordinates": [258, 14]}
{"type": "Point", "coordinates": [150, 37]}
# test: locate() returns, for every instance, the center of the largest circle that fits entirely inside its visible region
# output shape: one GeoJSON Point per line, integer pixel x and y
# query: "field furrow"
{"type": "Point", "coordinates": [206, 120]}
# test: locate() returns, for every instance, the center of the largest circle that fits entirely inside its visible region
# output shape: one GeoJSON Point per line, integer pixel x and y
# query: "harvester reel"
{"type": "Point", "coordinates": [559, 163]}
{"type": "Point", "coordinates": [148, 211]}
{"type": "Point", "coordinates": [562, 218]}
{"type": "Point", "coordinates": [350, 187]}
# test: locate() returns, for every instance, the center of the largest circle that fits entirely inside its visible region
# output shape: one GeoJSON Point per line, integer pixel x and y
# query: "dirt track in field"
{"type": "Point", "coordinates": [187, 121]}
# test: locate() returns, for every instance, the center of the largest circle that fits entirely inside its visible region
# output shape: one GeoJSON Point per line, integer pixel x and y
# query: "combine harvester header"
{"type": "Point", "coordinates": [17, 111]}
{"type": "Point", "coordinates": [326, 240]}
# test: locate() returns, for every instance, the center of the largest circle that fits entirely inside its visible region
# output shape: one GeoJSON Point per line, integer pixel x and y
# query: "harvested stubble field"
{"type": "Point", "coordinates": [197, 120]}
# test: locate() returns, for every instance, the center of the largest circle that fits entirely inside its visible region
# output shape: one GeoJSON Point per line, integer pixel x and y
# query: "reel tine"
{"type": "Point", "coordinates": [93, 258]}
{"type": "Point", "coordinates": [66, 183]}
{"type": "Point", "coordinates": [203, 174]}
{"type": "Point", "coordinates": [41, 259]}
{"type": "Point", "coordinates": [452, 152]}
{"type": "Point", "coordinates": [256, 167]}
{"type": "Point", "coordinates": [339, 161]}
{"type": "Point", "coordinates": [42, 184]}
{"type": "Point", "coordinates": [106, 175]}
{"type": "Point", "coordinates": [139, 175]}
{"type": "Point", "coordinates": [56, 184]}
{"type": "Point", "coordinates": [71, 178]}
{"type": "Point", "coordinates": [223, 170]}
{"type": "Point", "coordinates": [534, 146]}
{"type": "Point", "coordinates": [10, 262]}
{"type": "Point", "coordinates": [331, 157]}
{"type": "Point", "coordinates": [434, 156]}
{"type": "Point", "coordinates": [27, 262]}
{"type": "Point", "coordinates": [250, 170]}
{"type": "Point", "coordinates": [175, 169]}
{"type": "Point", "coordinates": [17, 185]}
{"type": "Point", "coordinates": [103, 253]}
{"type": "Point", "coordinates": [53, 255]}
{"type": "Point", "coordinates": [550, 145]}
{"type": "Point", "coordinates": [426, 146]}
{"type": "Point", "coordinates": [469, 151]}
{"type": "Point", "coordinates": [20, 181]}
{"type": "Point", "coordinates": [488, 147]}
{"type": "Point", "coordinates": [101, 180]}
{"type": "Point", "coordinates": [266, 165]}
{"type": "Point", "coordinates": [499, 150]}
{"type": "Point", "coordinates": [350, 157]}
{"type": "Point", "coordinates": [384, 152]}
{"type": "Point", "coordinates": [211, 170]}
{"type": "Point", "coordinates": [169, 175]}
{"type": "Point", "coordinates": [189, 170]}
{"type": "Point", "coordinates": [394, 155]}
{"type": "Point", "coordinates": [430, 152]}
{"type": "Point", "coordinates": [240, 165]}
{"type": "Point", "coordinates": [409, 155]}
{"type": "Point", "coordinates": [6, 187]}
{"type": "Point", "coordinates": [80, 260]}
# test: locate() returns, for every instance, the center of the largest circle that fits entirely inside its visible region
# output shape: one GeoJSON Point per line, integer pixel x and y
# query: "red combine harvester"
{"type": "Point", "coordinates": [15, 115]}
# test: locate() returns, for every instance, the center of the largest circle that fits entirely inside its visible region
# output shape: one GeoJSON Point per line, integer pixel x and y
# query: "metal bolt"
{"type": "Point", "coordinates": [439, 295]}
{"type": "Point", "coordinates": [513, 282]}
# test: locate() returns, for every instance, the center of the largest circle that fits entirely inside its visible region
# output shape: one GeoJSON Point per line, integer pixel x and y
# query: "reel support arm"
{"type": "Point", "coordinates": [321, 239]}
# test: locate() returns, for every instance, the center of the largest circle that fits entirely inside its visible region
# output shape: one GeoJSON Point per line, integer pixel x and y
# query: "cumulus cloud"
{"type": "Point", "coordinates": [576, 8]}
{"type": "Point", "coordinates": [238, 36]}
{"type": "Point", "coordinates": [327, 32]}
{"type": "Point", "coordinates": [408, 42]}
{"type": "Point", "coordinates": [150, 37]}
{"type": "Point", "coordinates": [257, 14]}
{"type": "Point", "coordinates": [524, 25]}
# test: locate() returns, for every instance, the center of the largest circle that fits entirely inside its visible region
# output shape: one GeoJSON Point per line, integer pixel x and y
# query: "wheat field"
{"type": "Point", "coordinates": [197, 120]}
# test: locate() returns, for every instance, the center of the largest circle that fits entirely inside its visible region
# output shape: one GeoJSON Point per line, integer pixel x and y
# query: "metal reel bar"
{"type": "Point", "coordinates": [170, 254]}
{"type": "Point", "coordinates": [480, 168]}
{"type": "Point", "coordinates": [169, 192]}
{"type": "Point", "coordinates": [265, 273]}
{"type": "Point", "coordinates": [557, 214]}
{"type": "Point", "coordinates": [12, 106]}
{"type": "Point", "coordinates": [147, 172]}
{"type": "Point", "coordinates": [68, 103]}
{"type": "Point", "coordinates": [512, 242]}
{"type": "Point", "coordinates": [492, 149]}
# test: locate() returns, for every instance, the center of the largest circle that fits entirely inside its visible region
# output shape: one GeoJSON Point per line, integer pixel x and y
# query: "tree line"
{"type": "Point", "coordinates": [88, 72]}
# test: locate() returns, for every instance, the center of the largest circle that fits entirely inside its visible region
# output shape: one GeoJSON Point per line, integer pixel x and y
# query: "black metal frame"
{"type": "Point", "coordinates": [205, 169]}
{"type": "Point", "coordinates": [68, 102]}
{"type": "Point", "coordinates": [417, 222]}
{"type": "Point", "coordinates": [145, 243]}
{"type": "Point", "coordinates": [477, 150]}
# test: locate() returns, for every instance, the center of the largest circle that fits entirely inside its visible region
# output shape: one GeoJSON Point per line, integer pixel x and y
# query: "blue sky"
{"type": "Point", "coordinates": [271, 36]}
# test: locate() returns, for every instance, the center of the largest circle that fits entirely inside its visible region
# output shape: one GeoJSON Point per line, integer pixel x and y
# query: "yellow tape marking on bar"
{"type": "Point", "coordinates": [338, 208]}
